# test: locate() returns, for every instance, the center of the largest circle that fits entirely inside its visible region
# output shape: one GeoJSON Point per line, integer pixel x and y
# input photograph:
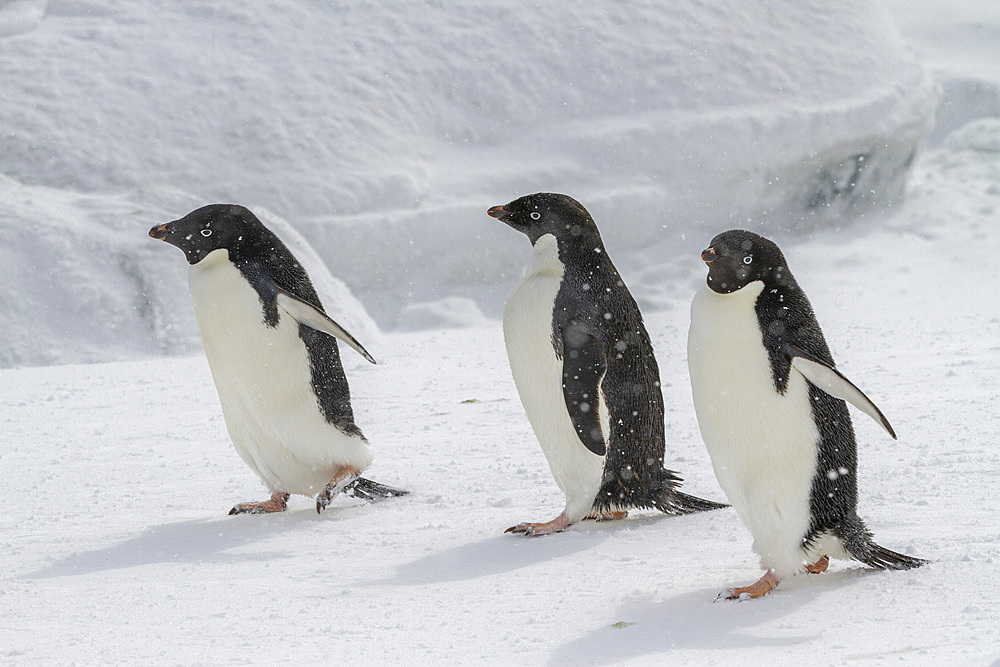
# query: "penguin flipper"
{"type": "Point", "coordinates": [833, 382]}
{"type": "Point", "coordinates": [584, 364]}
{"type": "Point", "coordinates": [309, 315]}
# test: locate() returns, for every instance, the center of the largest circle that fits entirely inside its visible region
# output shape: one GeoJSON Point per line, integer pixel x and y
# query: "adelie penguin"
{"type": "Point", "coordinates": [274, 359]}
{"type": "Point", "coordinates": [772, 412]}
{"type": "Point", "coordinates": [584, 369]}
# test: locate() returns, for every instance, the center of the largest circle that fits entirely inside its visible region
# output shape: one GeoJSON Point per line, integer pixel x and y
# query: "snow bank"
{"type": "Point", "coordinates": [383, 134]}
{"type": "Point", "coordinates": [81, 282]}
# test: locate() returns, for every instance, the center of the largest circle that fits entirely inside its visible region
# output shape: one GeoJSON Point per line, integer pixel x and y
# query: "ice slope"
{"type": "Point", "coordinates": [960, 43]}
{"type": "Point", "coordinates": [118, 477]}
{"type": "Point", "coordinates": [383, 132]}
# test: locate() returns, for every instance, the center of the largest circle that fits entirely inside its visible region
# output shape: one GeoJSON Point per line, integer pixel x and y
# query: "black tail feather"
{"type": "Point", "coordinates": [677, 502]}
{"type": "Point", "coordinates": [365, 489]}
{"type": "Point", "coordinates": [881, 558]}
{"type": "Point", "coordinates": [860, 543]}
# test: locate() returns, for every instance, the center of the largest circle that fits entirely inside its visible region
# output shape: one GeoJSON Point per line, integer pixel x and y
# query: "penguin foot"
{"type": "Point", "coordinates": [819, 566]}
{"type": "Point", "coordinates": [277, 503]}
{"type": "Point", "coordinates": [344, 476]}
{"type": "Point", "coordinates": [606, 515]}
{"type": "Point", "coordinates": [762, 587]}
{"type": "Point", "coordinates": [557, 525]}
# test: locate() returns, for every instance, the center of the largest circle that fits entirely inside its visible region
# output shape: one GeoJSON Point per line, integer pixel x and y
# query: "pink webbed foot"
{"type": "Point", "coordinates": [607, 515]}
{"type": "Point", "coordinates": [819, 566]}
{"type": "Point", "coordinates": [557, 524]}
{"type": "Point", "coordinates": [278, 502]}
{"type": "Point", "coordinates": [344, 476]}
{"type": "Point", "coordinates": [760, 588]}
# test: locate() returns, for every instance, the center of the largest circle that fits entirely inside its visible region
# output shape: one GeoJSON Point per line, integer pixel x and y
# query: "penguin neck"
{"type": "Point", "coordinates": [211, 260]}
{"type": "Point", "coordinates": [586, 253]}
{"type": "Point", "coordinates": [745, 295]}
{"type": "Point", "coordinates": [545, 257]}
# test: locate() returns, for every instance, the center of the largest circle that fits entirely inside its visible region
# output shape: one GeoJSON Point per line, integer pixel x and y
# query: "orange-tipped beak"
{"type": "Point", "coordinates": [159, 232]}
{"type": "Point", "coordinates": [497, 212]}
{"type": "Point", "coordinates": [708, 255]}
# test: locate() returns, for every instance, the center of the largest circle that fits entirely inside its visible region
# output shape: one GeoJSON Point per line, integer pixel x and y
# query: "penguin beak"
{"type": "Point", "coordinates": [708, 255]}
{"type": "Point", "coordinates": [497, 212]}
{"type": "Point", "coordinates": [159, 232]}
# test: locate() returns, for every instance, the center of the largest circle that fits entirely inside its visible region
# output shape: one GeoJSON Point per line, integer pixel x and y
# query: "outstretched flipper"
{"type": "Point", "coordinates": [584, 364]}
{"type": "Point", "coordinates": [833, 382]}
{"type": "Point", "coordinates": [366, 489]}
{"type": "Point", "coordinates": [306, 314]}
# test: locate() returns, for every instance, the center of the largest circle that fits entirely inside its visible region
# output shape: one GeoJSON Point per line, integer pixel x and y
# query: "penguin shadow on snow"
{"type": "Point", "coordinates": [194, 541]}
{"type": "Point", "coordinates": [697, 621]}
{"type": "Point", "coordinates": [498, 554]}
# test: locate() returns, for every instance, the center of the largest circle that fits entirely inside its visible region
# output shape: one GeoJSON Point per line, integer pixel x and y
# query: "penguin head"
{"type": "Point", "coordinates": [548, 213]}
{"type": "Point", "coordinates": [210, 228]}
{"type": "Point", "coordinates": [737, 258]}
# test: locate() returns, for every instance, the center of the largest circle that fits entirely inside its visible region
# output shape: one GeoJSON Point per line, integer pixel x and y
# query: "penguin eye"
{"type": "Point", "coordinates": [206, 232]}
{"type": "Point", "coordinates": [748, 259]}
{"type": "Point", "coordinates": [535, 215]}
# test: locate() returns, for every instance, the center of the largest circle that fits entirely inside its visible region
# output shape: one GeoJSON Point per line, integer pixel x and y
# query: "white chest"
{"type": "Point", "coordinates": [263, 378]}
{"type": "Point", "coordinates": [763, 444]}
{"type": "Point", "coordinates": [537, 371]}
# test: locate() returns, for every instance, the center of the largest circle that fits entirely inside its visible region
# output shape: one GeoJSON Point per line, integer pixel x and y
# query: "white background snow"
{"type": "Point", "coordinates": [864, 139]}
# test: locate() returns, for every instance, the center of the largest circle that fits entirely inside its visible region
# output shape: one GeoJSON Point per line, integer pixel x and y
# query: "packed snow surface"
{"type": "Point", "coordinates": [119, 476]}
{"type": "Point", "coordinates": [117, 547]}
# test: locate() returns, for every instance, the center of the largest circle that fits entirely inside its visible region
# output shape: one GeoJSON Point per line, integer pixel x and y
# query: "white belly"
{"type": "Point", "coordinates": [527, 328]}
{"type": "Point", "coordinates": [263, 379]}
{"type": "Point", "coordinates": [763, 444]}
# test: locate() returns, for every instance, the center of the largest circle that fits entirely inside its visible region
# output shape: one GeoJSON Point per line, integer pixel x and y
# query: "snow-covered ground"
{"type": "Point", "coordinates": [118, 476]}
{"type": "Point", "coordinates": [117, 547]}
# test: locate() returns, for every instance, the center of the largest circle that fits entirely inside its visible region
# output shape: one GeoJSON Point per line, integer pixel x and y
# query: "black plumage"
{"type": "Point", "coordinates": [789, 329]}
{"type": "Point", "coordinates": [598, 333]}
{"type": "Point", "coordinates": [269, 266]}
{"type": "Point", "coordinates": [271, 269]}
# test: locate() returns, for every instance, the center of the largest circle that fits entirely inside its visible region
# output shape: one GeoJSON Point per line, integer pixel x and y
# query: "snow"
{"type": "Point", "coordinates": [117, 546]}
{"type": "Point", "coordinates": [383, 134]}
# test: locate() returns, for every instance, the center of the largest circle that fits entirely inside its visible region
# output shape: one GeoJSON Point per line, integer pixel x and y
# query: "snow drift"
{"type": "Point", "coordinates": [383, 133]}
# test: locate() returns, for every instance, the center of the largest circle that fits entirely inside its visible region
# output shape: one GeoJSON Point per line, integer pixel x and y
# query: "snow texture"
{"type": "Point", "coordinates": [383, 133]}
{"type": "Point", "coordinates": [118, 476]}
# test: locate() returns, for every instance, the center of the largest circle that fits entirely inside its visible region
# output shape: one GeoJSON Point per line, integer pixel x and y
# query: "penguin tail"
{"type": "Point", "coordinates": [860, 543]}
{"type": "Point", "coordinates": [672, 501]}
{"type": "Point", "coordinates": [366, 489]}
{"type": "Point", "coordinates": [881, 558]}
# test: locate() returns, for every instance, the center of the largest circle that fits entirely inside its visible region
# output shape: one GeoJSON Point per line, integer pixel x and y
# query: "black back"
{"type": "Point", "coordinates": [786, 322]}
{"type": "Point", "coordinates": [593, 303]}
{"type": "Point", "coordinates": [267, 265]}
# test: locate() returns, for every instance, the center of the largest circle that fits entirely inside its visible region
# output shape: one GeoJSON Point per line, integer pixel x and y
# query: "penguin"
{"type": "Point", "coordinates": [274, 358]}
{"type": "Point", "coordinates": [771, 408]}
{"type": "Point", "coordinates": [584, 369]}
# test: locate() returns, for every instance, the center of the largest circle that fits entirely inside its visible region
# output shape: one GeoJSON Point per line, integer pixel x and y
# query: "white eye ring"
{"type": "Point", "coordinates": [535, 215]}
{"type": "Point", "coordinates": [747, 259]}
{"type": "Point", "coordinates": [206, 232]}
